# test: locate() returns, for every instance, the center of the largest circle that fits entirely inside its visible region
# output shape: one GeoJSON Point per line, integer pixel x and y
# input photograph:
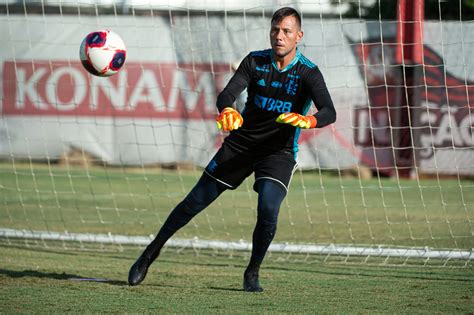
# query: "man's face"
{"type": "Point", "coordinates": [284, 36]}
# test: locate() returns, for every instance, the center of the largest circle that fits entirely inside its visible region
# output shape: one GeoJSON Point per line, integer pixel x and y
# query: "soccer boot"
{"type": "Point", "coordinates": [251, 283]}
{"type": "Point", "coordinates": [138, 271]}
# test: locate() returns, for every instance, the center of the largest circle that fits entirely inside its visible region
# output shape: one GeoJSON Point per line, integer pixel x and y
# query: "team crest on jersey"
{"type": "Point", "coordinates": [291, 86]}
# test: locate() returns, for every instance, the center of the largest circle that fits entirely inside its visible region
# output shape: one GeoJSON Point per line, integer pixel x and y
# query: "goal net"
{"type": "Point", "coordinates": [91, 162]}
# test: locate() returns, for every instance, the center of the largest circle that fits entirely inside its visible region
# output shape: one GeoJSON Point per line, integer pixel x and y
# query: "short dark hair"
{"type": "Point", "coordinates": [282, 13]}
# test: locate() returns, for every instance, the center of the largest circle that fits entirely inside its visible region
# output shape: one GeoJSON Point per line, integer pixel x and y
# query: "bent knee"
{"type": "Point", "coordinates": [268, 216]}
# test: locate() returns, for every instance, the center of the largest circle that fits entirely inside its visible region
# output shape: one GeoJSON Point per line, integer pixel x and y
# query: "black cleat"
{"type": "Point", "coordinates": [251, 283]}
{"type": "Point", "coordinates": [138, 271]}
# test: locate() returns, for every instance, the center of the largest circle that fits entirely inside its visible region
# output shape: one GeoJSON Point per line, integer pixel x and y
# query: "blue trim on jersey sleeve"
{"type": "Point", "coordinates": [305, 61]}
{"type": "Point", "coordinates": [306, 106]}
{"type": "Point", "coordinates": [295, 142]}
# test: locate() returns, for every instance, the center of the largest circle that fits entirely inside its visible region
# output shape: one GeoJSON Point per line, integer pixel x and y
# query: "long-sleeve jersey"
{"type": "Point", "coordinates": [272, 91]}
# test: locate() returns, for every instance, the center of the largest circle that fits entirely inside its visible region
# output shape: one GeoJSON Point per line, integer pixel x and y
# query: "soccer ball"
{"type": "Point", "coordinates": [102, 53]}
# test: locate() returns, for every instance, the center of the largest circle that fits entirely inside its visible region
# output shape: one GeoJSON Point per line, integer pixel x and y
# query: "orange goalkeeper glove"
{"type": "Point", "coordinates": [229, 119]}
{"type": "Point", "coordinates": [297, 120]}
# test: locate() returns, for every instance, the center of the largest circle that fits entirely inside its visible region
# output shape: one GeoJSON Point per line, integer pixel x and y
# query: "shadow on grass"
{"type": "Point", "coordinates": [37, 274]}
{"type": "Point", "coordinates": [226, 289]}
{"type": "Point", "coordinates": [418, 273]}
{"type": "Point", "coordinates": [57, 276]}
{"type": "Point", "coordinates": [348, 271]}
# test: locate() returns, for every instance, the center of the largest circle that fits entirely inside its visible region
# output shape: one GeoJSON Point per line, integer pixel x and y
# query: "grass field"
{"type": "Point", "coordinates": [49, 281]}
{"type": "Point", "coordinates": [49, 277]}
{"type": "Point", "coordinates": [320, 208]}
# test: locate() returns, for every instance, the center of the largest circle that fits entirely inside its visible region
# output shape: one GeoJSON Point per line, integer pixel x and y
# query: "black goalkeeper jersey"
{"type": "Point", "coordinates": [272, 91]}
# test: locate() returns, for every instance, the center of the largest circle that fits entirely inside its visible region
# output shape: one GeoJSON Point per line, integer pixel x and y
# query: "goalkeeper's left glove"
{"type": "Point", "coordinates": [297, 120]}
{"type": "Point", "coordinates": [229, 119]}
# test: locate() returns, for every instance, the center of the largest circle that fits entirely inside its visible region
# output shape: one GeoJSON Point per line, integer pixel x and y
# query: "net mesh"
{"type": "Point", "coordinates": [89, 162]}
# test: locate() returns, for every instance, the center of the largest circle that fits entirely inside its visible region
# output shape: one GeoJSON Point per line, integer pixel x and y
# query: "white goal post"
{"type": "Point", "coordinates": [104, 160]}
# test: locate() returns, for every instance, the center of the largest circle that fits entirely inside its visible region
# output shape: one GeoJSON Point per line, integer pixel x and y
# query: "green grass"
{"type": "Point", "coordinates": [320, 208]}
{"type": "Point", "coordinates": [42, 277]}
{"type": "Point", "coordinates": [41, 281]}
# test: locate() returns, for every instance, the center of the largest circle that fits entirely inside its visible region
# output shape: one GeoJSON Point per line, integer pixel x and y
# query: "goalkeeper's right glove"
{"type": "Point", "coordinates": [229, 119]}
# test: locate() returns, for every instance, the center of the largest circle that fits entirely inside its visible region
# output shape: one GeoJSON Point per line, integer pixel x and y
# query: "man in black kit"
{"type": "Point", "coordinates": [281, 85]}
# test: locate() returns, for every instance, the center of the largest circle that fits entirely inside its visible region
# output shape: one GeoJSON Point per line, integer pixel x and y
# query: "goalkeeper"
{"type": "Point", "coordinates": [281, 84]}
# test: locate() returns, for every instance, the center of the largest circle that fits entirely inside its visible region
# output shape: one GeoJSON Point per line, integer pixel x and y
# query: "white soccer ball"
{"type": "Point", "coordinates": [103, 53]}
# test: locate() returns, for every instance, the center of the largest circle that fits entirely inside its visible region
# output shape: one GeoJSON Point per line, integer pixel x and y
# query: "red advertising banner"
{"type": "Point", "coordinates": [377, 123]}
{"type": "Point", "coordinates": [139, 90]}
{"type": "Point", "coordinates": [444, 120]}
{"type": "Point", "coordinates": [433, 131]}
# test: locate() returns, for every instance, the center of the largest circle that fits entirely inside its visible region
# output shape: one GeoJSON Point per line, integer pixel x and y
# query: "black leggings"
{"type": "Point", "coordinates": [201, 196]}
{"type": "Point", "coordinates": [270, 196]}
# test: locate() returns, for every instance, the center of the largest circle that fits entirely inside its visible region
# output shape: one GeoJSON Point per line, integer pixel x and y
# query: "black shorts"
{"type": "Point", "coordinates": [231, 167]}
